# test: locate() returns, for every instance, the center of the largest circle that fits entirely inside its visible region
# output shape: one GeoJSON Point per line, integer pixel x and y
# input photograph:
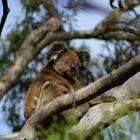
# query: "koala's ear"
{"type": "Point", "coordinates": [84, 58]}
{"type": "Point", "coordinates": [57, 49]}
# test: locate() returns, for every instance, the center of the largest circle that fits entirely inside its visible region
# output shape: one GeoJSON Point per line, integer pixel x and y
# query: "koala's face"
{"type": "Point", "coordinates": [65, 61]}
{"type": "Point", "coordinates": [68, 64]}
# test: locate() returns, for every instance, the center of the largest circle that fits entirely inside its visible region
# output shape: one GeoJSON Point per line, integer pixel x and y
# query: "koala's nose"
{"type": "Point", "coordinates": [73, 65]}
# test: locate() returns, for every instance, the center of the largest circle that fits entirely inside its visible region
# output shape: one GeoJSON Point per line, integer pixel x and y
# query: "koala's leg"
{"type": "Point", "coordinates": [101, 99]}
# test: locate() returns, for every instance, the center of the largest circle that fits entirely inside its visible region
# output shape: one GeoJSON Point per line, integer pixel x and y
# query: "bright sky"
{"type": "Point", "coordinates": [85, 21]}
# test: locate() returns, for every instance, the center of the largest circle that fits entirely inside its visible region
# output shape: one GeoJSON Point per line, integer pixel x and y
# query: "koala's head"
{"type": "Point", "coordinates": [64, 60]}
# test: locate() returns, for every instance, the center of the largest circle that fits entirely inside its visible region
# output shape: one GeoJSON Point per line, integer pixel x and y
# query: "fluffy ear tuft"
{"type": "Point", "coordinates": [84, 58]}
{"type": "Point", "coordinates": [57, 49]}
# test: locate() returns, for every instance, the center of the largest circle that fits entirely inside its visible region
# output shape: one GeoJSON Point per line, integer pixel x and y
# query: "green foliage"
{"type": "Point", "coordinates": [118, 53]}
{"type": "Point", "coordinates": [12, 109]}
{"type": "Point", "coordinates": [126, 128]}
{"type": "Point", "coordinates": [31, 6]}
{"type": "Point", "coordinates": [13, 101]}
{"type": "Point", "coordinates": [57, 130]}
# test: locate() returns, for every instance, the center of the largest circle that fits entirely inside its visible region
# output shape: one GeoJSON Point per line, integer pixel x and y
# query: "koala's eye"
{"type": "Point", "coordinates": [73, 65]}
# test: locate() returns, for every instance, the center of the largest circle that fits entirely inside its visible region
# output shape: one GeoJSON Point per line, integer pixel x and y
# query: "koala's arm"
{"type": "Point", "coordinates": [40, 94]}
{"type": "Point", "coordinates": [51, 91]}
{"type": "Point", "coordinates": [31, 98]}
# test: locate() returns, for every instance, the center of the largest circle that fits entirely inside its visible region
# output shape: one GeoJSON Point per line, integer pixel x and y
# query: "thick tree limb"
{"type": "Point", "coordinates": [5, 13]}
{"type": "Point", "coordinates": [8, 136]}
{"type": "Point", "coordinates": [81, 96]}
{"type": "Point", "coordinates": [128, 90]}
{"type": "Point", "coordinates": [96, 116]}
{"type": "Point", "coordinates": [31, 46]}
{"type": "Point", "coordinates": [117, 35]}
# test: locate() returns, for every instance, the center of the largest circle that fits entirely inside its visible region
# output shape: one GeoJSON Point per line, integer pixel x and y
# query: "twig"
{"type": "Point", "coordinates": [5, 13]}
{"type": "Point", "coordinates": [51, 9]}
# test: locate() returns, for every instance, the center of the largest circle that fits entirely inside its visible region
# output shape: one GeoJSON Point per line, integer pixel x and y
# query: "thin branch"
{"type": "Point", "coordinates": [52, 10]}
{"type": "Point", "coordinates": [81, 96]}
{"type": "Point", "coordinates": [5, 13]}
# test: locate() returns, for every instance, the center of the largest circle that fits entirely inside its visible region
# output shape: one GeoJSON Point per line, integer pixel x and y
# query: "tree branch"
{"type": "Point", "coordinates": [127, 91]}
{"type": "Point", "coordinates": [103, 114]}
{"type": "Point", "coordinates": [5, 13]}
{"type": "Point", "coordinates": [130, 89]}
{"type": "Point", "coordinates": [36, 40]}
{"type": "Point", "coordinates": [117, 35]}
{"type": "Point", "coordinates": [52, 10]}
{"type": "Point", "coordinates": [81, 96]}
{"type": "Point", "coordinates": [8, 136]}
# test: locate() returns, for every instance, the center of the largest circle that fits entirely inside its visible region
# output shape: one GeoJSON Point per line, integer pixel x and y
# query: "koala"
{"type": "Point", "coordinates": [57, 78]}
